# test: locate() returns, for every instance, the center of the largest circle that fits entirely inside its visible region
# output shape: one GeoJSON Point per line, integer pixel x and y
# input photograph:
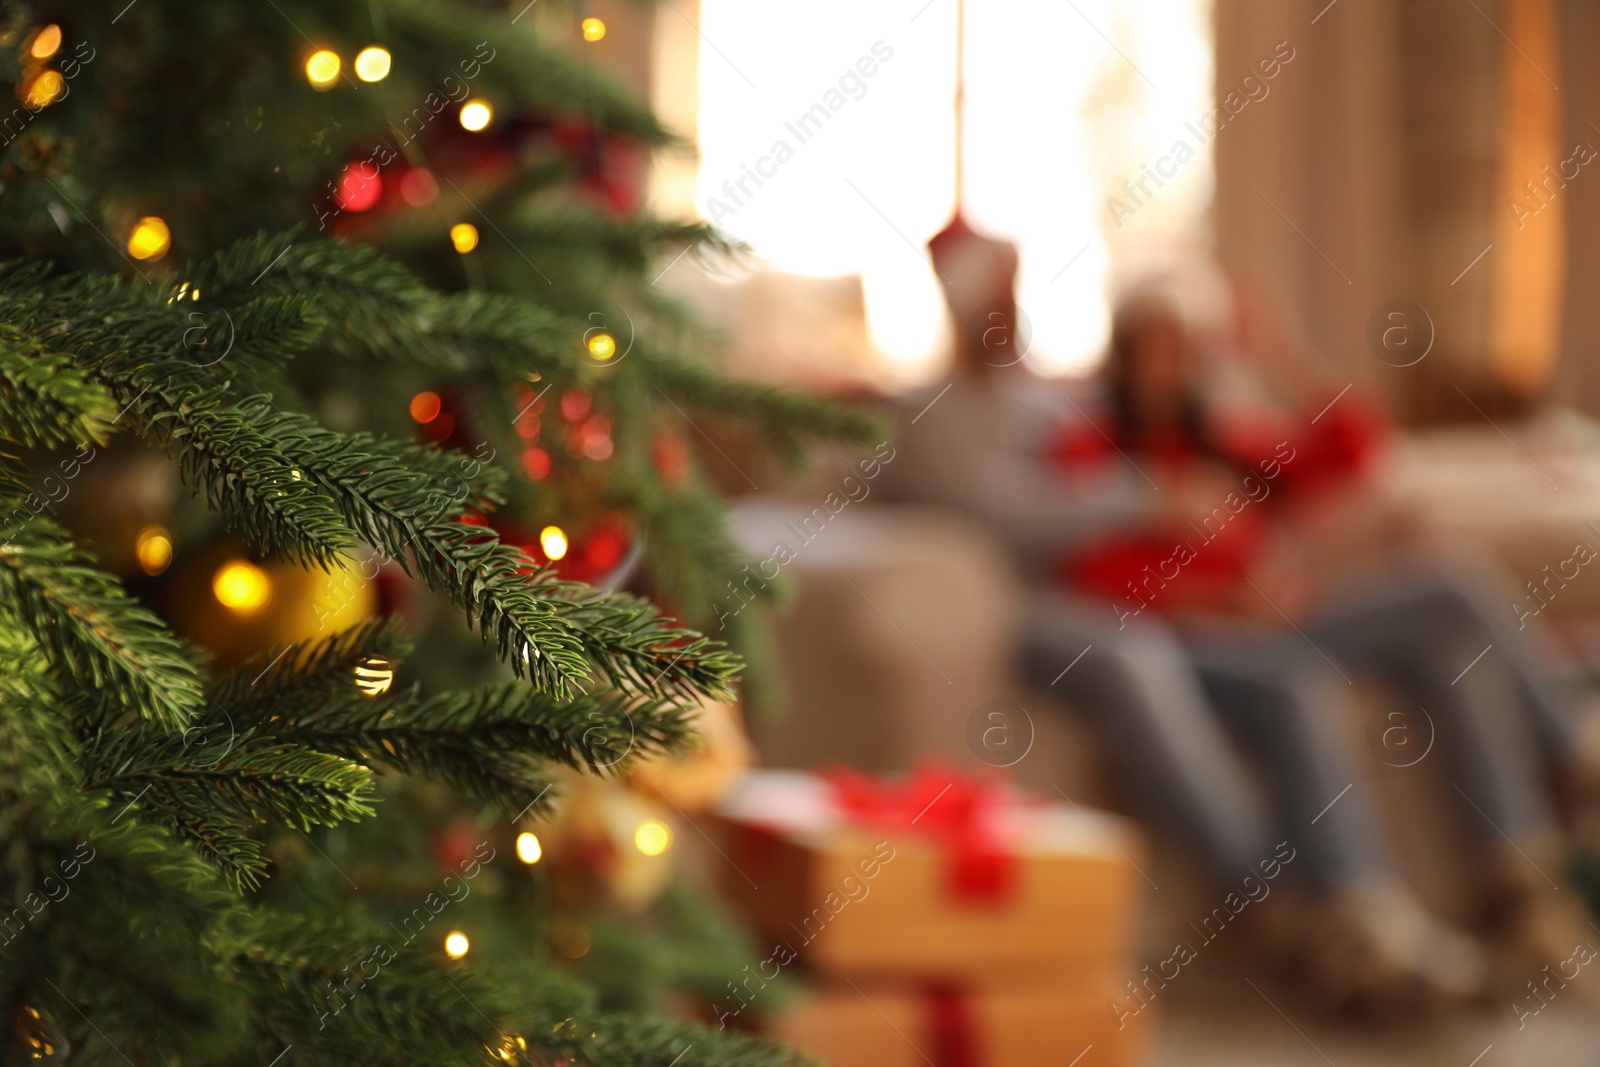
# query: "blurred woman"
{"type": "Point", "coordinates": [1277, 520]}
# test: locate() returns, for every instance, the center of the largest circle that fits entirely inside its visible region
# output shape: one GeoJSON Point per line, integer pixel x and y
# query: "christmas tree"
{"type": "Point", "coordinates": [271, 243]}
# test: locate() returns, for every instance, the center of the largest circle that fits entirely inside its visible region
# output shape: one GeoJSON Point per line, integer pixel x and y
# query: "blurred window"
{"type": "Point", "coordinates": [826, 134]}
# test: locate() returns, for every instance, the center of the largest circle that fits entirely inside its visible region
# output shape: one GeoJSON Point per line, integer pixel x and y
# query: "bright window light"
{"type": "Point", "coordinates": [1056, 121]}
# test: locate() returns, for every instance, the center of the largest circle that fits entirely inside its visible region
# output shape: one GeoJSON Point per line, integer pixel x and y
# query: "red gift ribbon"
{"type": "Point", "coordinates": [956, 809]}
{"type": "Point", "coordinates": [948, 1020]}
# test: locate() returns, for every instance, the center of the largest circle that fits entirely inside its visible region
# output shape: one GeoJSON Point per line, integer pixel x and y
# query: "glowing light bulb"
{"type": "Point", "coordinates": [241, 587]}
{"type": "Point", "coordinates": [372, 63]}
{"type": "Point", "coordinates": [652, 838]}
{"type": "Point", "coordinates": [425, 406]}
{"type": "Point", "coordinates": [553, 540]}
{"type": "Point", "coordinates": [150, 238]}
{"type": "Point", "coordinates": [46, 42]}
{"type": "Point", "coordinates": [475, 115]}
{"type": "Point", "coordinates": [456, 944]}
{"type": "Point", "coordinates": [322, 69]}
{"type": "Point", "coordinates": [593, 29]}
{"type": "Point", "coordinates": [44, 89]}
{"type": "Point", "coordinates": [602, 346]}
{"type": "Point", "coordinates": [529, 850]}
{"type": "Point", "coordinates": [464, 235]}
{"type": "Point", "coordinates": [374, 675]}
{"type": "Point", "coordinates": [153, 547]}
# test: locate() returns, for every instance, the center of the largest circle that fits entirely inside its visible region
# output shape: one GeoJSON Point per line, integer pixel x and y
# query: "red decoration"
{"type": "Point", "coordinates": [956, 808]}
{"type": "Point", "coordinates": [360, 187]}
{"type": "Point", "coordinates": [948, 1014]}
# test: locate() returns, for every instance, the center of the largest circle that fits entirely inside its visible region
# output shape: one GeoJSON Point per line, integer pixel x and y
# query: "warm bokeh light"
{"type": "Point", "coordinates": [475, 115]}
{"type": "Point", "coordinates": [593, 29]}
{"type": "Point", "coordinates": [425, 406]}
{"type": "Point", "coordinates": [652, 838]}
{"type": "Point", "coordinates": [241, 587]}
{"type": "Point", "coordinates": [528, 848]}
{"type": "Point", "coordinates": [150, 238]}
{"type": "Point", "coordinates": [536, 461]}
{"type": "Point", "coordinates": [553, 540]}
{"type": "Point", "coordinates": [456, 944]}
{"type": "Point", "coordinates": [372, 63]}
{"type": "Point", "coordinates": [153, 547]}
{"type": "Point", "coordinates": [46, 42]}
{"type": "Point", "coordinates": [322, 69]}
{"type": "Point", "coordinates": [602, 346]}
{"type": "Point", "coordinates": [374, 675]}
{"type": "Point", "coordinates": [360, 187]}
{"type": "Point", "coordinates": [464, 235]}
{"type": "Point", "coordinates": [45, 89]}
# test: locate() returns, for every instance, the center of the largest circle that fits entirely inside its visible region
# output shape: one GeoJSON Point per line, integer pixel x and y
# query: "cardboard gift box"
{"type": "Point", "coordinates": [943, 877]}
{"type": "Point", "coordinates": [866, 1026]}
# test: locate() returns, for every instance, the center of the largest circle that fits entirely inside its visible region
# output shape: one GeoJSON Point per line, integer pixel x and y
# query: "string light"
{"type": "Point", "coordinates": [241, 587]}
{"type": "Point", "coordinates": [602, 346]}
{"type": "Point", "coordinates": [374, 675]}
{"type": "Point", "coordinates": [475, 115]}
{"type": "Point", "coordinates": [372, 63]}
{"type": "Point", "coordinates": [46, 42]}
{"type": "Point", "coordinates": [593, 29]}
{"type": "Point", "coordinates": [464, 235]}
{"type": "Point", "coordinates": [153, 547]}
{"type": "Point", "coordinates": [45, 89]}
{"type": "Point", "coordinates": [322, 69]}
{"type": "Point", "coordinates": [652, 838]}
{"type": "Point", "coordinates": [150, 238]}
{"type": "Point", "coordinates": [529, 850]}
{"type": "Point", "coordinates": [553, 540]}
{"type": "Point", "coordinates": [425, 406]}
{"type": "Point", "coordinates": [456, 944]}
{"type": "Point", "coordinates": [182, 292]}
{"type": "Point", "coordinates": [360, 186]}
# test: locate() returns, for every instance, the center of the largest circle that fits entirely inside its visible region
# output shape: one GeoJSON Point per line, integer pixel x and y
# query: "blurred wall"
{"type": "Point", "coordinates": [1414, 150]}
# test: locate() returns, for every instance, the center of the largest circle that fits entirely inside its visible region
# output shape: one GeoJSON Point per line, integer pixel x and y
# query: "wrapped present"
{"type": "Point", "coordinates": [868, 1026]}
{"type": "Point", "coordinates": [942, 876]}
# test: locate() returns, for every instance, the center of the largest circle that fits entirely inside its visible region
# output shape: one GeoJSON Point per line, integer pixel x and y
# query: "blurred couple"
{"type": "Point", "coordinates": [1208, 572]}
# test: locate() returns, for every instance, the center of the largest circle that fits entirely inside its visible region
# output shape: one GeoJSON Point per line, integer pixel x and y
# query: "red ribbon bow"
{"type": "Point", "coordinates": [957, 809]}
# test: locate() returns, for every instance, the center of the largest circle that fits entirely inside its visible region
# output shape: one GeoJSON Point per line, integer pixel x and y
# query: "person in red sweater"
{"type": "Point", "coordinates": [1239, 576]}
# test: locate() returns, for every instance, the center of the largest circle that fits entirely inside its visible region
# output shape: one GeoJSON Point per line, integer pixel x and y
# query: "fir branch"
{"type": "Point", "coordinates": [495, 743]}
{"type": "Point", "coordinates": [210, 793]}
{"type": "Point", "coordinates": [304, 674]}
{"type": "Point", "coordinates": [88, 626]}
{"type": "Point", "coordinates": [542, 627]}
{"type": "Point", "coordinates": [46, 402]}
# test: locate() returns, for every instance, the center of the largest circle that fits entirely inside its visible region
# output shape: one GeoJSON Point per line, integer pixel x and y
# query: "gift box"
{"type": "Point", "coordinates": [867, 1026]}
{"type": "Point", "coordinates": [941, 877]}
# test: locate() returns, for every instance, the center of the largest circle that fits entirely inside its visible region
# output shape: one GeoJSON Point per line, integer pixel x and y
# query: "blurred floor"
{"type": "Point", "coordinates": [1222, 1021]}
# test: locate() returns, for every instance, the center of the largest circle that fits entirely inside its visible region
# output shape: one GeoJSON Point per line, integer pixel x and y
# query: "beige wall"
{"type": "Point", "coordinates": [1391, 149]}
